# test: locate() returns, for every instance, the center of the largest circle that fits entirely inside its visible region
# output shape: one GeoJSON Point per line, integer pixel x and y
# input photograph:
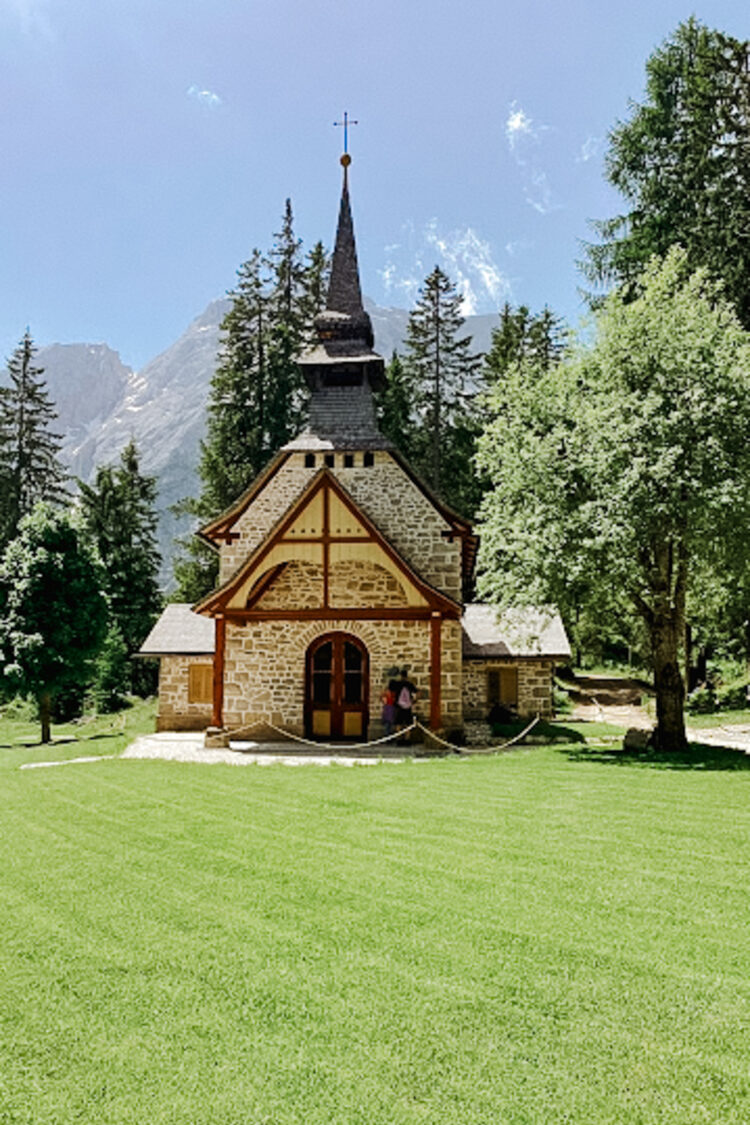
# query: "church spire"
{"type": "Point", "coordinates": [342, 369]}
{"type": "Point", "coordinates": [344, 293]}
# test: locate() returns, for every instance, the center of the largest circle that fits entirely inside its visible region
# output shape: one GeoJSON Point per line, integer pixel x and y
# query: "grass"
{"type": "Point", "coordinates": [525, 940]}
{"type": "Point", "coordinates": [718, 719]}
{"type": "Point", "coordinates": [93, 735]}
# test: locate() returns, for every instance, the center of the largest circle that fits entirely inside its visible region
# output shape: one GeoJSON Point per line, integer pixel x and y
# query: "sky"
{"type": "Point", "coordinates": [147, 146]}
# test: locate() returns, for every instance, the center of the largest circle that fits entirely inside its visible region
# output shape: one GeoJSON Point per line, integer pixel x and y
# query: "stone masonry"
{"type": "Point", "coordinates": [265, 668]}
{"type": "Point", "coordinates": [534, 687]}
{"type": "Point", "coordinates": [384, 493]}
{"type": "Point", "coordinates": [175, 710]}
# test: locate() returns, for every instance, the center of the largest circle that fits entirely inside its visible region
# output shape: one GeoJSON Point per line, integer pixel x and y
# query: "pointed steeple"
{"type": "Point", "coordinates": [344, 294]}
{"type": "Point", "coordinates": [341, 369]}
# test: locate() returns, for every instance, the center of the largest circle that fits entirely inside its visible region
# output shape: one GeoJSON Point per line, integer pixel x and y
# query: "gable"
{"type": "Point", "coordinates": [321, 531]}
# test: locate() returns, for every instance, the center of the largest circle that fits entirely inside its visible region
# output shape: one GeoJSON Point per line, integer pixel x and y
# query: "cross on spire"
{"type": "Point", "coordinates": [346, 123]}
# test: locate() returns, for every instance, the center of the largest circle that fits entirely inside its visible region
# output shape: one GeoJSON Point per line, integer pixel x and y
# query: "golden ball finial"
{"type": "Point", "coordinates": [346, 160]}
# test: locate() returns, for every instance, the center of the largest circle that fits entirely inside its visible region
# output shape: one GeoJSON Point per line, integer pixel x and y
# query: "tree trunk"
{"type": "Point", "coordinates": [45, 708]}
{"type": "Point", "coordinates": [668, 683]}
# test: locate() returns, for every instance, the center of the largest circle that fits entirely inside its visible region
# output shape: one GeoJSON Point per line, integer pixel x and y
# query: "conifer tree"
{"type": "Point", "coordinates": [443, 373]}
{"type": "Point", "coordinates": [522, 337]}
{"type": "Point", "coordinates": [257, 396]}
{"type": "Point", "coordinates": [682, 163]}
{"type": "Point", "coordinates": [120, 519]}
{"type": "Point", "coordinates": [30, 470]}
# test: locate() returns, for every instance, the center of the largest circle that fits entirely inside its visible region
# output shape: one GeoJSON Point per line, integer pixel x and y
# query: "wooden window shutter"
{"type": "Point", "coordinates": [200, 683]}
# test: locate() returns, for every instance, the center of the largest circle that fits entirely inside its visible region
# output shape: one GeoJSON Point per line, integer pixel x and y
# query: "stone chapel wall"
{"type": "Point", "coordinates": [176, 712]}
{"type": "Point", "coordinates": [534, 687]}
{"type": "Point", "coordinates": [265, 668]}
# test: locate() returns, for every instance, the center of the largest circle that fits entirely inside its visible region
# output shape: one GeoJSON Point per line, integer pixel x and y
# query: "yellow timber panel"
{"type": "Point", "coordinates": [282, 552]}
{"type": "Point", "coordinates": [374, 553]}
{"type": "Point", "coordinates": [309, 522]}
{"type": "Point", "coordinates": [321, 723]}
{"type": "Point", "coordinates": [352, 724]}
{"type": "Point", "coordinates": [342, 521]}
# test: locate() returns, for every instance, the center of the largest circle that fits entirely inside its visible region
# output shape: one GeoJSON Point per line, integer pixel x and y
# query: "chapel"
{"type": "Point", "coordinates": [339, 567]}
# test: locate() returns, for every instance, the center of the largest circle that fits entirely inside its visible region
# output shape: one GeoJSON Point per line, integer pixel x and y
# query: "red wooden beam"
{"type": "Point", "coordinates": [218, 714]}
{"type": "Point", "coordinates": [436, 638]}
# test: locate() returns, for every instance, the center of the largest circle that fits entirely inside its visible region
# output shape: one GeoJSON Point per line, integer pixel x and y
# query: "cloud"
{"type": "Point", "coordinates": [206, 97]}
{"type": "Point", "coordinates": [524, 137]}
{"type": "Point", "coordinates": [31, 15]}
{"type": "Point", "coordinates": [464, 256]}
{"type": "Point", "coordinates": [590, 149]}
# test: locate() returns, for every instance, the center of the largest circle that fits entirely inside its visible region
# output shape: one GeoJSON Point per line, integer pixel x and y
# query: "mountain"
{"type": "Point", "coordinates": [102, 403]}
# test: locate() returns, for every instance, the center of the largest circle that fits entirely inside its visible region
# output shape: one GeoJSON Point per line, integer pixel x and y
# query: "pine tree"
{"type": "Point", "coordinates": [443, 372]}
{"type": "Point", "coordinates": [682, 163]}
{"type": "Point", "coordinates": [120, 519]}
{"type": "Point", "coordinates": [288, 303]}
{"type": "Point", "coordinates": [30, 470]}
{"type": "Point", "coordinates": [521, 337]}
{"type": "Point", "coordinates": [257, 396]}
{"type": "Point", "coordinates": [316, 278]}
{"type": "Point", "coordinates": [395, 407]}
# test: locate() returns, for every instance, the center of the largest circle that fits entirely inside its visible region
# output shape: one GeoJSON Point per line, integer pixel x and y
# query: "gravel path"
{"type": "Point", "coordinates": [178, 747]}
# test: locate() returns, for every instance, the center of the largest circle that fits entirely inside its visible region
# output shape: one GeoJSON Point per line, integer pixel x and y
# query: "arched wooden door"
{"type": "Point", "coordinates": [337, 688]}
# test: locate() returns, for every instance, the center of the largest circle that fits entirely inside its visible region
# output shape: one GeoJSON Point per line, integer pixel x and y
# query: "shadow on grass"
{"type": "Point", "coordinates": [555, 732]}
{"type": "Point", "coordinates": [695, 757]}
{"type": "Point", "coordinates": [59, 740]}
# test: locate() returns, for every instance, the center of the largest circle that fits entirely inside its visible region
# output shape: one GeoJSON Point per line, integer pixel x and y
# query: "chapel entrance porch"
{"type": "Point", "coordinates": [337, 688]}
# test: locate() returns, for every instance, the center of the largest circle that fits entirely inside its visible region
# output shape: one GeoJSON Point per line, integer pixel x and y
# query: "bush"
{"type": "Point", "coordinates": [732, 697]}
{"type": "Point", "coordinates": [702, 701]}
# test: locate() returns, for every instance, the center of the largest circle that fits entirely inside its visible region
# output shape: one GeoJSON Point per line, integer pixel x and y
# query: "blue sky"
{"type": "Point", "coordinates": [148, 145]}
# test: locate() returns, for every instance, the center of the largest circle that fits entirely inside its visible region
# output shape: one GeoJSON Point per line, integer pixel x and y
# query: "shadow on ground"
{"type": "Point", "coordinates": [696, 757]}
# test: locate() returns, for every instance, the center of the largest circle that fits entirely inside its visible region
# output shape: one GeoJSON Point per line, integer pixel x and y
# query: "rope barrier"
{"type": "Point", "coordinates": [323, 745]}
{"type": "Point", "coordinates": [466, 751]}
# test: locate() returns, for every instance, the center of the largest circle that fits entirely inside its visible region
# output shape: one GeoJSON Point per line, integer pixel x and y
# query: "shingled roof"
{"type": "Point", "coordinates": [520, 633]}
{"type": "Point", "coordinates": [341, 369]}
{"type": "Point", "coordinates": [179, 632]}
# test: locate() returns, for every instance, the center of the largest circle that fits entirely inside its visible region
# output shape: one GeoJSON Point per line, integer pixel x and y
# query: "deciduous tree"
{"type": "Point", "coordinates": [624, 472]}
{"type": "Point", "coordinates": [54, 616]}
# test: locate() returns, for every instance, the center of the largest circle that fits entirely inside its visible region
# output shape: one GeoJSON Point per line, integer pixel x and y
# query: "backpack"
{"type": "Point", "coordinates": [404, 698]}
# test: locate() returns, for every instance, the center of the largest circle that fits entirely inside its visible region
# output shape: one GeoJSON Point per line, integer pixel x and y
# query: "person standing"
{"type": "Point", "coordinates": [406, 695]}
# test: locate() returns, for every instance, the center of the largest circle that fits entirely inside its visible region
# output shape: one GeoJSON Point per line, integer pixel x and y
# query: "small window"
{"type": "Point", "coordinates": [368, 460]}
{"type": "Point", "coordinates": [348, 460]}
{"type": "Point", "coordinates": [502, 686]}
{"type": "Point", "coordinates": [330, 460]}
{"type": "Point", "coordinates": [200, 683]}
{"type": "Point", "coordinates": [309, 460]}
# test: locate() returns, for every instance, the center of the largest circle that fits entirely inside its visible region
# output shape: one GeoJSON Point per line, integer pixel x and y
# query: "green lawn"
{"type": "Point", "coordinates": [553, 935]}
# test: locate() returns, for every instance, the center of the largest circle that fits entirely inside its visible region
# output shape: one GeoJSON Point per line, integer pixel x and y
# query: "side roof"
{"type": "Point", "coordinates": [522, 632]}
{"type": "Point", "coordinates": [179, 632]}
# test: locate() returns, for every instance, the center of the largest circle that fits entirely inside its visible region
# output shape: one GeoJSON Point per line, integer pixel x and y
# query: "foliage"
{"type": "Point", "coordinates": [522, 337]}
{"type": "Point", "coordinates": [55, 614]}
{"type": "Point", "coordinates": [257, 397]}
{"type": "Point", "coordinates": [622, 476]}
{"type": "Point", "coordinates": [442, 373]}
{"type": "Point", "coordinates": [30, 470]}
{"type": "Point", "coordinates": [119, 516]}
{"type": "Point", "coordinates": [682, 163]}
{"type": "Point", "coordinates": [111, 672]}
